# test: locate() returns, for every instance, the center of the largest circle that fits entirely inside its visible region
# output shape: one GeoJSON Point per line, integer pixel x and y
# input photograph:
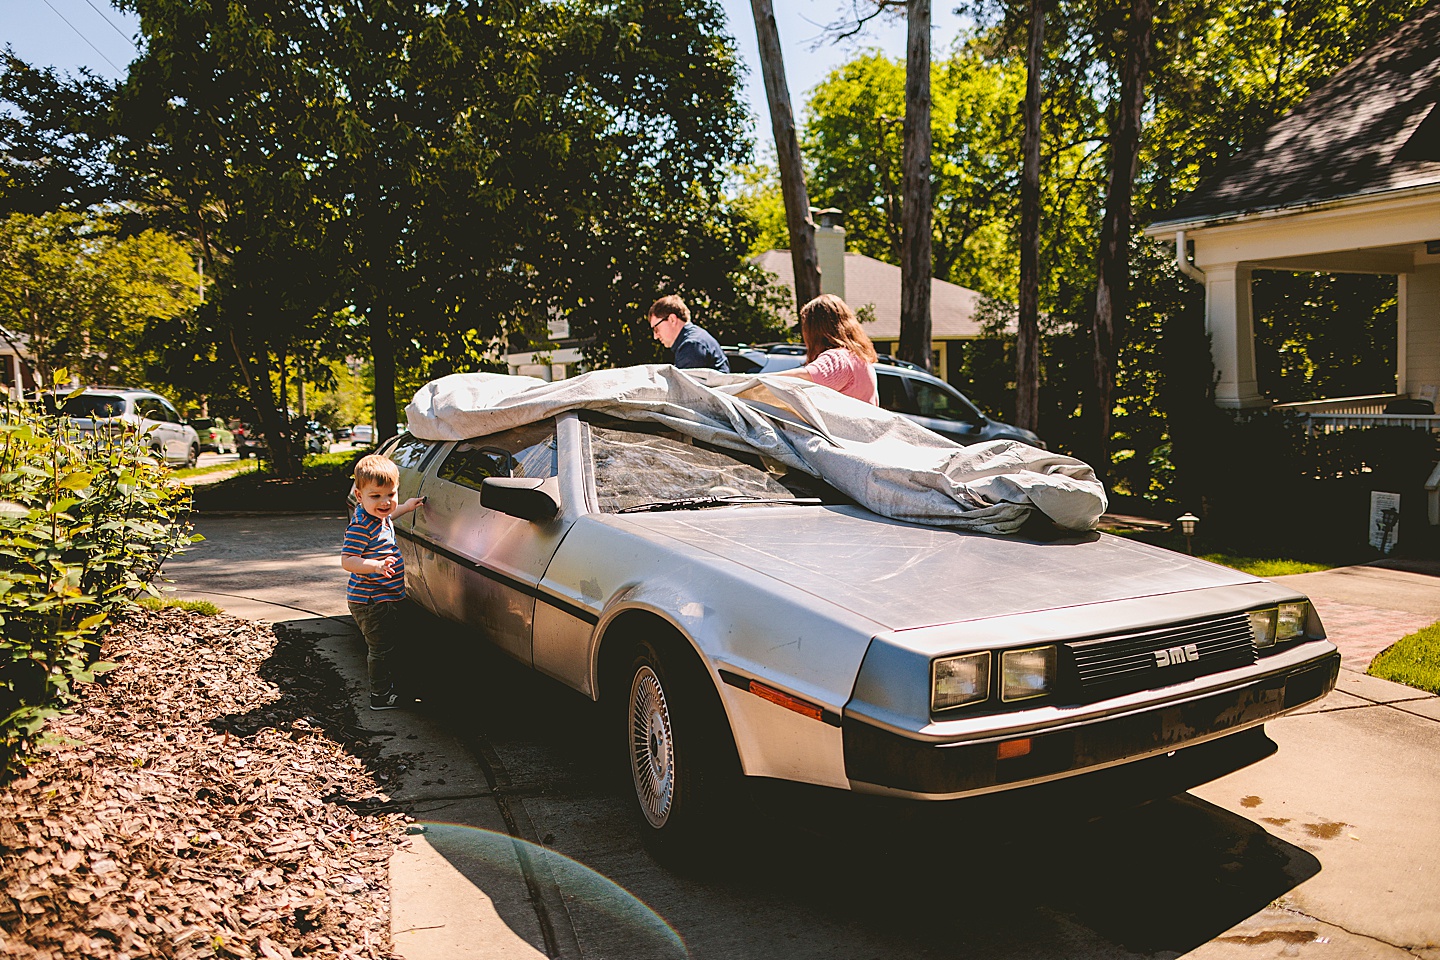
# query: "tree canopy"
{"type": "Point", "coordinates": [84, 296]}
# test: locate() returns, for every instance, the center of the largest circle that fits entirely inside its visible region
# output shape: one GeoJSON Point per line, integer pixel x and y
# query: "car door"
{"type": "Point", "coordinates": [481, 567]}
{"type": "Point", "coordinates": [944, 410]}
{"type": "Point", "coordinates": [412, 456]}
{"type": "Point", "coordinates": [177, 438]}
{"type": "Point", "coordinates": [153, 426]}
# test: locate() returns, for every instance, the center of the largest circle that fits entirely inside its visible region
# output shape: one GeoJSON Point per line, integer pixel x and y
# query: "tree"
{"type": "Point", "coordinates": [85, 296]}
{"type": "Point", "coordinates": [1027, 336]}
{"type": "Point", "coordinates": [805, 260]}
{"type": "Point", "coordinates": [916, 264]}
{"type": "Point", "coordinates": [428, 183]}
{"type": "Point", "coordinates": [54, 148]}
{"type": "Point", "coordinates": [853, 144]}
{"type": "Point", "coordinates": [1112, 267]}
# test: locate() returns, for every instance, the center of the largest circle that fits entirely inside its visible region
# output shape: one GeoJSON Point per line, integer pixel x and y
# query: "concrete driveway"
{"type": "Point", "coordinates": [1328, 848]}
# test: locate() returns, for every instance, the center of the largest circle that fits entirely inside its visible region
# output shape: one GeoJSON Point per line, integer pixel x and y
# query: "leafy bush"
{"type": "Point", "coordinates": [85, 523]}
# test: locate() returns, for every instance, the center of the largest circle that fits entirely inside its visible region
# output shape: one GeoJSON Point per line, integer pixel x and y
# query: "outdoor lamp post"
{"type": "Point", "coordinates": [1187, 523]}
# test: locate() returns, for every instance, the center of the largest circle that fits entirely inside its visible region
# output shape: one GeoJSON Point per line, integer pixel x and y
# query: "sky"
{"type": "Point", "coordinates": [68, 34]}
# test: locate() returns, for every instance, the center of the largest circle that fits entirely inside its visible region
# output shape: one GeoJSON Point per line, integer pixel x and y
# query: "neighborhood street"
{"type": "Point", "coordinates": [1324, 849]}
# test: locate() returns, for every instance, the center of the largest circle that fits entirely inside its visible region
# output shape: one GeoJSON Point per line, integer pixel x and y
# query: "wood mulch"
{"type": "Point", "coordinates": [211, 797]}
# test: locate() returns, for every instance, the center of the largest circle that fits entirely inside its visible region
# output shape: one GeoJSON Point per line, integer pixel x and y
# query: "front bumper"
{"type": "Point", "coordinates": [879, 760]}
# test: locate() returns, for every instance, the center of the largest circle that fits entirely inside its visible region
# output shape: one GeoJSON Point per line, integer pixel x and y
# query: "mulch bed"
{"type": "Point", "coordinates": [212, 796]}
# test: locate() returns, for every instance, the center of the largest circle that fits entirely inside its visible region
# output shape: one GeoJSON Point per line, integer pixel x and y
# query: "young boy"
{"type": "Point", "coordinates": [377, 573]}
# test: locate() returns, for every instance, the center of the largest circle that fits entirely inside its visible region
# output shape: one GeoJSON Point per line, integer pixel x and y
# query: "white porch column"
{"type": "Point", "coordinates": [1231, 326]}
{"type": "Point", "coordinates": [1418, 332]}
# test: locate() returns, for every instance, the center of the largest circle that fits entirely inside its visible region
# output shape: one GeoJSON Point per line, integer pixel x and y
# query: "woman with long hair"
{"type": "Point", "coordinates": [838, 353]}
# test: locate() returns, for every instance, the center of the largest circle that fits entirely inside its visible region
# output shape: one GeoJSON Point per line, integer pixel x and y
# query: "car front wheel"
{"type": "Point", "coordinates": [192, 456]}
{"type": "Point", "coordinates": [682, 764]}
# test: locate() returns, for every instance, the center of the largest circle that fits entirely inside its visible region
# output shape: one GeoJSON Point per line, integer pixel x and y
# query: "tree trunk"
{"type": "Point", "coordinates": [915, 256]}
{"type": "Point", "coordinates": [1027, 336]}
{"type": "Point", "coordinates": [1113, 261]}
{"type": "Point", "coordinates": [382, 352]}
{"type": "Point", "coordinates": [803, 258]}
{"type": "Point", "coordinates": [273, 430]}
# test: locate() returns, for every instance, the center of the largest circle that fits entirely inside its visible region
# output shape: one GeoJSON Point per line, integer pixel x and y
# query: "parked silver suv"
{"type": "Point", "coordinates": [99, 408]}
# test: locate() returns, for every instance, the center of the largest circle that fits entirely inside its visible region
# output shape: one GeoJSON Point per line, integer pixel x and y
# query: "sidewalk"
{"type": "Point", "coordinates": [1367, 608]}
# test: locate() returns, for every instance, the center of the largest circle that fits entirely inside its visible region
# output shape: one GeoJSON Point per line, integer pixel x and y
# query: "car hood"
{"type": "Point", "coordinates": [903, 575]}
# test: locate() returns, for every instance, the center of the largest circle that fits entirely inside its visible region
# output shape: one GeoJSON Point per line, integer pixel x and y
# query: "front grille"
{"type": "Point", "coordinates": [1112, 666]}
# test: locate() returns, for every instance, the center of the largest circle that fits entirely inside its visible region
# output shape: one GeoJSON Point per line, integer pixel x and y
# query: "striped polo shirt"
{"type": "Point", "coordinates": [371, 538]}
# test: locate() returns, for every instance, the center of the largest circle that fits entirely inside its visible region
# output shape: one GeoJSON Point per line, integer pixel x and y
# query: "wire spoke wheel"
{"type": "Point", "coordinates": [652, 746]}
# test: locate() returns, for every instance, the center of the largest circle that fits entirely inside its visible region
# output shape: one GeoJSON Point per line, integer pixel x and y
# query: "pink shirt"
{"type": "Point", "coordinates": [851, 374]}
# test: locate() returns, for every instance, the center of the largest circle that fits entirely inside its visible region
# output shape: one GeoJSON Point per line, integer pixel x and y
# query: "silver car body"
{"type": "Point", "coordinates": [818, 625]}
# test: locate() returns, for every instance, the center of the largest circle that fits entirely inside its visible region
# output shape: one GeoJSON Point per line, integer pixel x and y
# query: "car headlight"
{"type": "Point", "coordinates": [956, 681]}
{"type": "Point", "coordinates": [1262, 624]}
{"type": "Point", "coordinates": [1285, 622]}
{"type": "Point", "coordinates": [1290, 622]}
{"type": "Point", "coordinates": [1027, 673]}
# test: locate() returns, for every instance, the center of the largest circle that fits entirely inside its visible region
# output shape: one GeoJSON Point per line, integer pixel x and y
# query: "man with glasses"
{"type": "Point", "coordinates": [693, 347]}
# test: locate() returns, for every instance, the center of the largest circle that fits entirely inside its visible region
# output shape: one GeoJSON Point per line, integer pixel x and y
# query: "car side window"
{"type": "Point", "coordinates": [739, 363]}
{"type": "Point", "coordinates": [409, 451]}
{"type": "Point", "coordinates": [893, 395]}
{"type": "Point", "coordinates": [148, 408]}
{"type": "Point", "coordinates": [931, 401]}
{"type": "Point", "coordinates": [527, 451]}
{"type": "Point", "coordinates": [168, 412]}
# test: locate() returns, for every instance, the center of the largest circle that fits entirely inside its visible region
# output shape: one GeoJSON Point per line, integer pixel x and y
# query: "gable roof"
{"type": "Point", "coordinates": [953, 308]}
{"type": "Point", "coordinates": [1373, 128]}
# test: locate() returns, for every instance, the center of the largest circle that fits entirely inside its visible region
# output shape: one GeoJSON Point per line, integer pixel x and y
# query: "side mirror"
{"type": "Point", "coordinates": [528, 498]}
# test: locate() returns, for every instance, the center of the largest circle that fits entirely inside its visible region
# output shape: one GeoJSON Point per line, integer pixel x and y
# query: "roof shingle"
{"type": "Point", "coordinates": [1371, 129]}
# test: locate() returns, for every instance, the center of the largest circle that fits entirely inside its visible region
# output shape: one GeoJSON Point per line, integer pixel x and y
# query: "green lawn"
{"type": "Point", "coordinates": [1264, 566]}
{"type": "Point", "coordinates": [1274, 565]}
{"type": "Point", "coordinates": [240, 466]}
{"type": "Point", "coordinates": [1413, 660]}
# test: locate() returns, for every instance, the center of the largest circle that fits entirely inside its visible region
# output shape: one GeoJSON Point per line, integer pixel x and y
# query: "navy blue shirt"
{"type": "Point", "coordinates": [695, 348]}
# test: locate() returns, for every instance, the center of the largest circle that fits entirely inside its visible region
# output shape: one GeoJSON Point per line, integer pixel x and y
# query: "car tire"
{"type": "Point", "coordinates": [192, 456]}
{"type": "Point", "coordinates": [682, 762]}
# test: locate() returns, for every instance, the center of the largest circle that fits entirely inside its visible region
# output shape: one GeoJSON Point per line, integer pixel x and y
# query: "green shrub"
{"type": "Point", "coordinates": [85, 523]}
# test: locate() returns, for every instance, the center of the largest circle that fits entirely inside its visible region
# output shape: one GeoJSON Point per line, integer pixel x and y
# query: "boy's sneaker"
{"type": "Point", "coordinates": [386, 701]}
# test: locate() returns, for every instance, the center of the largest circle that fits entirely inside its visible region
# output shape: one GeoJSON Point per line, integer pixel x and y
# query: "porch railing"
{"type": "Point", "coordinates": [1328, 416]}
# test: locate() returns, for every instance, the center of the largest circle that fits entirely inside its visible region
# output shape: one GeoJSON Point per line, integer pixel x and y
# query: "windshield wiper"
{"type": "Point", "coordinates": [700, 503]}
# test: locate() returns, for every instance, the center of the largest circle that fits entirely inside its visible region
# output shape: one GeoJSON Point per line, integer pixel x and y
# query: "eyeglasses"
{"type": "Point", "coordinates": [656, 323]}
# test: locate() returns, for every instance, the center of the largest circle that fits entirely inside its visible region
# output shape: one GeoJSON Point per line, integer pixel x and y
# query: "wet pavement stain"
{"type": "Point", "coordinates": [1325, 830]}
{"type": "Point", "coordinates": [1250, 801]}
{"type": "Point", "coordinates": [1275, 821]}
{"type": "Point", "coordinates": [1271, 936]}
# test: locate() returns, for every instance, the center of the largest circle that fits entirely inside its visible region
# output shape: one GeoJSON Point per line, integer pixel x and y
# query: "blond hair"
{"type": "Point", "coordinates": [828, 322]}
{"type": "Point", "coordinates": [374, 470]}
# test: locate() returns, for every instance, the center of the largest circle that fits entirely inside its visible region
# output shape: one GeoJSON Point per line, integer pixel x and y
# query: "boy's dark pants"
{"type": "Point", "coordinates": [380, 623]}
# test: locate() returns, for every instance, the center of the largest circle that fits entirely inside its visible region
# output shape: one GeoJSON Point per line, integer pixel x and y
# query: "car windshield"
{"type": "Point", "coordinates": [639, 464]}
{"type": "Point", "coordinates": [93, 405]}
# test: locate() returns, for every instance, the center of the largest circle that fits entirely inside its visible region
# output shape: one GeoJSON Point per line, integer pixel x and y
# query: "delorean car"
{"type": "Point", "coordinates": [744, 623]}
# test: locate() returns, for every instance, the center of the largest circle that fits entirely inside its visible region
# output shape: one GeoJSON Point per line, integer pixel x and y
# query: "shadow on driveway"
{"type": "Point", "coordinates": [1068, 872]}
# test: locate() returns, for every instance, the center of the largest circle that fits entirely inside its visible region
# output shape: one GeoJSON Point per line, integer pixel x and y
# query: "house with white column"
{"type": "Point", "coordinates": [1346, 182]}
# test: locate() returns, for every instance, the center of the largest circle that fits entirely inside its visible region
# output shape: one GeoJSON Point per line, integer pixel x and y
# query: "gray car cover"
{"type": "Point", "coordinates": [883, 461]}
